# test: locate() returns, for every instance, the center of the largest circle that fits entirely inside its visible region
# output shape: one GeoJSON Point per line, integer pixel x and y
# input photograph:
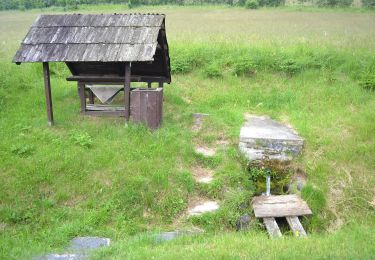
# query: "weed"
{"type": "Point", "coordinates": [244, 67]}
{"type": "Point", "coordinates": [81, 138]}
{"type": "Point", "coordinates": [23, 150]}
{"type": "Point", "coordinates": [367, 82]}
{"type": "Point", "coordinates": [213, 71]}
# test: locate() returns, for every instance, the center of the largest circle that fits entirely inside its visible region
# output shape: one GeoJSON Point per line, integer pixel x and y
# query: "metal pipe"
{"type": "Point", "coordinates": [268, 185]}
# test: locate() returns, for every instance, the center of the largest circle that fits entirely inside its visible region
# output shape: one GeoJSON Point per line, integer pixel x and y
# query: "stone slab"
{"type": "Point", "coordinates": [62, 257]}
{"type": "Point", "coordinates": [262, 138]}
{"type": "Point", "coordinates": [88, 243]}
{"type": "Point", "coordinates": [205, 151]}
{"type": "Point", "coordinates": [203, 207]}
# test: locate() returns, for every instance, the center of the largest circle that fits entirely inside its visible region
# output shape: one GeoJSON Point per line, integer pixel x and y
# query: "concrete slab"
{"type": "Point", "coordinates": [262, 138]}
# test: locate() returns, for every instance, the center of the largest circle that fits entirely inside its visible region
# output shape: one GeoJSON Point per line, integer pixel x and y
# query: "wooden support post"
{"type": "Point", "coordinates": [149, 84]}
{"type": "Point", "coordinates": [47, 90]}
{"type": "Point", "coordinates": [160, 84]}
{"type": "Point", "coordinates": [127, 90]}
{"type": "Point", "coordinates": [82, 97]}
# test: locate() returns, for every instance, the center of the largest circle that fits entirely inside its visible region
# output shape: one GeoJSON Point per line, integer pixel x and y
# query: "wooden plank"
{"type": "Point", "coordinates": [280, 206]}
{"type": "Point", "coordinates": [99, 78]}
{"type": "Point", "coordinates": [296, 226]}
{"type": "Point", "coordinates": [104, 113]}
{"type": "Point", "coordinates": [99, 107]}
{"type": "Point", "coordinates": [127, 90]}
{"type": "Point", "coordinates": [47, 90]}
{"type": "Point", "coordinates": [272, 227]}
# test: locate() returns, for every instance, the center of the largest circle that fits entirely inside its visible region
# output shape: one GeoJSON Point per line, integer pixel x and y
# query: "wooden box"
{"type": "Point", "coordinates": [146, 106]}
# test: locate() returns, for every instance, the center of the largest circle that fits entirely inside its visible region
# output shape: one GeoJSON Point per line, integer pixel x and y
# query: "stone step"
{"type": "Point", "coordinates": [203, 207]}
{"type": "Point", "coordinates": [205, 151]}
{"type": "Point", "coordinates": [78, 249]}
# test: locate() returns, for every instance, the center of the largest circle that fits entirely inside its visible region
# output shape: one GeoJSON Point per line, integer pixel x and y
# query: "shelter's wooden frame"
{"type": "Point", "coordinates": [79, 43]}
{"type": "Point", "coordinates": [109, 80]}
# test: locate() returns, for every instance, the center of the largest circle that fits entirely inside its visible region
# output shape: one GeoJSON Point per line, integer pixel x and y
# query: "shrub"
{"type": "Point", "coordinates": [251, 4]}
{"type": "Point", "coordinates": [244, 67]}
{"type": "Point", "coordinates": [290, 66]}
{"type": "Point", "coordinates": [213, 71]}
{"type": "Point", "coordinates": [271, 2]}
{"type": "Point", "coordinates": [183, 62]}
{"type": "Point", "coordinates": [369, 3]}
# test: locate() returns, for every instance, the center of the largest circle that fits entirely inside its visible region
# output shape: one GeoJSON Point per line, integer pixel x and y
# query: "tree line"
{"type": "Point", "coordinates": [74, 4]}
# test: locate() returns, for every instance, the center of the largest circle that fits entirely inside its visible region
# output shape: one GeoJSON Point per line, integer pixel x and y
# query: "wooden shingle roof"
{"type": "Point", "coordinates": [91, 37]}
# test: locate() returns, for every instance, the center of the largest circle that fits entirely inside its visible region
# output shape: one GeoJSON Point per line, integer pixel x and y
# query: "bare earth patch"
{"type": "Point", "coordinates": [202, 175]}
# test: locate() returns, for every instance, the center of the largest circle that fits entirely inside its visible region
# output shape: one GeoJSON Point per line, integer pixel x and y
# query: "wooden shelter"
{"type": "Point", "coordinates": [100, 49]}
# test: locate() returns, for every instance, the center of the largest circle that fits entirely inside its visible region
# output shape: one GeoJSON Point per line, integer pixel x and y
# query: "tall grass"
{"type": "Point", "coordinates": [244, 60]}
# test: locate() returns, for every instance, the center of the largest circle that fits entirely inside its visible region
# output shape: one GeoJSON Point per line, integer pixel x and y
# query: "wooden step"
{"type": "Point", "coordinates": [280, 206]}
{"type": "Point", "coordinates": [272, 227]}
{"type": "Point", "coordinates": [296, 226]}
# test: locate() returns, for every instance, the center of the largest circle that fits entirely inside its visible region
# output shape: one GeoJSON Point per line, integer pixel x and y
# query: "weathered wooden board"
{"type": "Point", "coordinates": [272, 227]}
{"type": "Point", "coordinates": [147, 106]}
{"type": "Point", "coordinates": [99, 107]}
{"type": "Point", "coordinates": [88, 38]}
{"type": "Point", "coordinates": [296, 226]}
{"type": "Point", "coordinates": [280, 206]}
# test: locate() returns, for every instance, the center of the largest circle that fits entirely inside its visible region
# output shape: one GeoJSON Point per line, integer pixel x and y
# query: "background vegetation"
{"type": "Point", "coordinates": [74, 4]}
{"type": "Point", "coordinates": [95, 176]}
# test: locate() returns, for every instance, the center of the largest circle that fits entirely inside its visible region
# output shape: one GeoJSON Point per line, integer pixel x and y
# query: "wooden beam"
{"type": "Point", "coordinates": [82, 97]}
{"type": "Point", "coordinates": [272, 227]}
{"type": "Point", "coordinates": [149, 84]}
{"type": "Point", "coordinates": [127, 90]}
{"type": "Point", "coordinates": [296, 226]}
{"type": "Point", "coordinates": [120, 79]}
{"type": "Point", "coordinates": [161, 84]}
{"type": "Point", "coordinates": [47, 90]}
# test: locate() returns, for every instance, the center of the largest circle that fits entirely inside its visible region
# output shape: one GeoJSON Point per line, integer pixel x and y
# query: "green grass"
{"type": "Point", "coordinates": [348, 243]}
{"type": "Point", "coordinates": [96, 176]}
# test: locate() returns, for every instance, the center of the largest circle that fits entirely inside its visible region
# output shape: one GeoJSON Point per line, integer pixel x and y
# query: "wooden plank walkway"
{"type": "Point", "coordinates": [289, 206]}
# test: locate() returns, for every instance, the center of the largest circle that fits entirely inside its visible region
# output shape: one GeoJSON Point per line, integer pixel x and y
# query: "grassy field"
{"type": "Point", "coordinates": [95, 176]}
